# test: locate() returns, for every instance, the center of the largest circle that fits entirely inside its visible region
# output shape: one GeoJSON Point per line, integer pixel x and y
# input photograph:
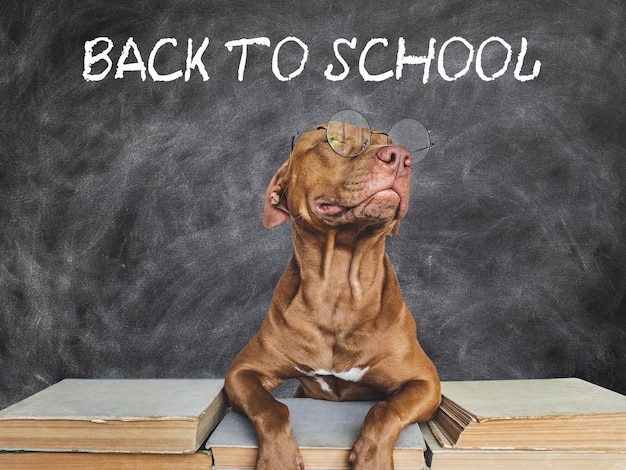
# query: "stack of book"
{"type": "Point", "coordinates": [163, 424]}
{"type": "Point", "coordinates": [113, 423]}
{"type": "Point", "coordinates": [514, 424]}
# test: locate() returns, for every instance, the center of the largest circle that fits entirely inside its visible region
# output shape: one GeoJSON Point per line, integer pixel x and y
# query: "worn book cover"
{"type": "Point", "coordinates": [325, 432]}
{"type": "Point", "coordinates": [115, 415]}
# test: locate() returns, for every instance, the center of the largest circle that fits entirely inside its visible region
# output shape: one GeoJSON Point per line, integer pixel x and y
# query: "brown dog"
{"type": "Point", "coordinates": [337, 322]}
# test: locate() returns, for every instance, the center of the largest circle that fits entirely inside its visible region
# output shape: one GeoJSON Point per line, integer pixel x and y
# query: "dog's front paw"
{"type": "Point", "coordinates": [280, 454]}
{"type": "Point", "coordinates": [371, 454]}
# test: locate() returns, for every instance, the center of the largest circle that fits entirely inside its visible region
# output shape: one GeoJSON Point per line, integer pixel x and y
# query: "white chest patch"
{"type": "Point", "coordinates": [353, 375]}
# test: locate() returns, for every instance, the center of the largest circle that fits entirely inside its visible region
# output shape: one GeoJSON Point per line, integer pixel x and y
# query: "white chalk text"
{"type": "Point", "coordinates": [99, 59]}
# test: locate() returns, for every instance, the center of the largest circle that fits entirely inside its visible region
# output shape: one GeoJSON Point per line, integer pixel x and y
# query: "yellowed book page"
{"type": "Point", "coordinates": [83, 461]}
{"type": "Point", "coordinates": [441, 458]}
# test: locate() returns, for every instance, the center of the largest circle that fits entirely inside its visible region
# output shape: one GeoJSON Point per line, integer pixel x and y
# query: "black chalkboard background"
{"type": "Point", "coordinates": [130, 211]}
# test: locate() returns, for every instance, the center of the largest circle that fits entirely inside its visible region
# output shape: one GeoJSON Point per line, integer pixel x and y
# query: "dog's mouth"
{"type": "Point", "coordinates": [384, 205]}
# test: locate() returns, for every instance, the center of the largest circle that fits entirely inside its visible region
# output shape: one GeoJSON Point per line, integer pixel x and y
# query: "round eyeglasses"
{"type": "Point", "coordinates": [349, 134]}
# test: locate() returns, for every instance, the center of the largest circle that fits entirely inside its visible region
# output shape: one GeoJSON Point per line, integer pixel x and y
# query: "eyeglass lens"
{"type": "Point", "coordinates": [349, 133]}
{"type": "Point", "coordinates": [412, 135]}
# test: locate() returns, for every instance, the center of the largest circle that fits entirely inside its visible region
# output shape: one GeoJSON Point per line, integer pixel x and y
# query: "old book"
{"type": "Point", "coordinates": [441, 458]}
{"type": "Point", "coordinates": [115, 415]}
{"type": "Point", "coordinates": [201, 460]}
{"type": "Point", "coordinates": [325, 432]}
{"type": "Point", "coordinates": [530, 414]}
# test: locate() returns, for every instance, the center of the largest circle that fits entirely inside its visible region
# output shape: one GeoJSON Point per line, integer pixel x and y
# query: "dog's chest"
{"type": "Point", "coordinates": [321, 375]}
{"type": "Point", "coordinates": [336, 385]}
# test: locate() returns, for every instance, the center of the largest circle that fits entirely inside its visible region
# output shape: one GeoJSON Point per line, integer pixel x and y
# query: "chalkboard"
{"type": "Point", "coordinates": [138, 139]}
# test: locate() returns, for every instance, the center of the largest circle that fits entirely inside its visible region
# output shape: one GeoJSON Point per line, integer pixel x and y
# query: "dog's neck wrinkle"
{"type": "Point", "coordinates": [329, 252]}
{"type": "Point", "coordinates": [331, 266]}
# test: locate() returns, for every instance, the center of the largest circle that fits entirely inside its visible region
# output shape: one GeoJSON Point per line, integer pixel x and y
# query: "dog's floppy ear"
{"type": "Point", "coordinates": [275, 206]}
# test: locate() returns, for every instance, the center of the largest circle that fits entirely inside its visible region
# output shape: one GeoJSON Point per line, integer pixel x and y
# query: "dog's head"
{"type": "Point", "coordinates": [320, 188]}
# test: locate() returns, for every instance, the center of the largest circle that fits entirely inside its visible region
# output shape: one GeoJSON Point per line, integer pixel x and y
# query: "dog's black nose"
{"type": "Point", "coordinates": [397, 158]}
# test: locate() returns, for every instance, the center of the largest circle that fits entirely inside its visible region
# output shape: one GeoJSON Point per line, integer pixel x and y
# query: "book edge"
{"type": "Point", "coordinates": [478, 417]}
{"type": "Point", "coordinates": [5, 414]}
